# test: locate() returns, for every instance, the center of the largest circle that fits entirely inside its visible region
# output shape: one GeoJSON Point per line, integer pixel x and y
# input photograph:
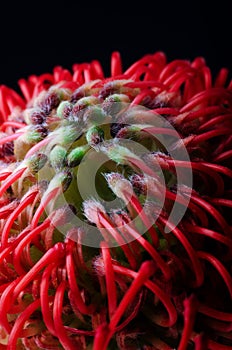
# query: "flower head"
{"type": "Point", "coordinates": [80, 151]}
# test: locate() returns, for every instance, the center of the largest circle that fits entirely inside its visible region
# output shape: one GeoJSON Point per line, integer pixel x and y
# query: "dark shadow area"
{"type": "Point", "coordinates": [41, 39]}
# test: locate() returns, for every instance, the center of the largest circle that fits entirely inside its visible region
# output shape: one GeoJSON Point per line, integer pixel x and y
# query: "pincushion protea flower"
{"type": "Point", "coordinates": [155, 290]}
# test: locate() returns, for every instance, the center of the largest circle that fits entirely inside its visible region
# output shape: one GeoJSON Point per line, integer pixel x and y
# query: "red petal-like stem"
{"type": "Point", "coordinates": [133, 68]}
{"type": "Point", "coordinates": [205, 113]}
{"type": "Point", "coordinates": [116, 64]}
{"type": "Point", "coordinates": [171, 67]}
{"type": "Point", "coordinates": [5, 304]}
{"type": "Point", "coordinates": [163, 131]}
{"type": "Point", "coordinates": [199, 167]}
{"type": "Point", "coordinates": [221, 77]}
{"type": "Point", "coordinates": [219, 315]}
{"type": "Point", "coordinates": [74, 289]}
{"type": "Point", "coordinates": [110, 279]}
{"type": "Point", "coordinates": [12, 124]}
{"type": "Point", "coordinates": [190, 309]}
{"type": "Point", "coordinates": [144, 95]}
{"type": "Point", "coordinates": [106, 223]}
{"type": "Point", "coordinates": [19, 324]}
{"type": "Point", "coordinates": [7, 209]}
{"type": "Point", "coordinates": [177, 78]}
{"type": "Point", "coordinates": [26, 88]}
{"type": "Point", "coordinates": [216, 120]}
{"type": "Point", "coordinates": [45, 300]}
{"type": "Point", "coordinates": [10, 248]}
{"type": "Point", "coordinates": [219, 168]}
{"type": "Point", "coordinates": [212, 345]}
{"type": "Point", "coordinates": [62, 334]}
{"type": "Point", "coordinates": [198, 212]}
{"type": "Point", "coordinates": [204, 96]}
{"type": "Point", "coordinates": [54, 254]}
{"type": "Point", "coordinates": [10, 138]}
{"type": "Point", "coordinates": [210, 233]}
{"type": "Point", "coordinates": [26, 240]}
{"type": "Point", "coordinates": [4, 108]}
{"type": "Point", "coordinates": [222, 202]}
{"type": "Point", "coordinates": [162, 296]}
{"type": "Point", "coordinates": [4, 175]}
{"type": "Point", "coordinates": [199, 275]}
{"type": "Point", "coordinates": [210, 134]}
{"type": "Point", "coordinates": [11, 179]}
{"type": "Point", "coordinates": [223, 156]}
{"type": "Point", "coordinates": [44, 202]}
{"type": "Point", "coordinates": [9, 222]}
{"type": "Point", "coordinates": [150, 249]}
{"type": "Point", "coordinates": [101, 335]}
{"type": "Point", "coordinates": [201, 342]}
{"type": "Point", "coordinates": [97, 68]}
{"type": "Point", "coordinates": [213, 212]}
{"type": "Point", "coordinates": [37, 147]}
{"type": "Point", "coordinates": [226, 276]}
{"type": "Point", "coordinates": [146, 270]}
{"type": "Point", "coordinates": [133, 200]}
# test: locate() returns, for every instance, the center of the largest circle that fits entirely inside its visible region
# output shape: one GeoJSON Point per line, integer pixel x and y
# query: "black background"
{"type": "Point", "coordinates": [35, 37]}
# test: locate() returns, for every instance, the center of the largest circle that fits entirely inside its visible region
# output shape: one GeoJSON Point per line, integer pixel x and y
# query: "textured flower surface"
{"type": "Point", "coordinates": [146, 282]}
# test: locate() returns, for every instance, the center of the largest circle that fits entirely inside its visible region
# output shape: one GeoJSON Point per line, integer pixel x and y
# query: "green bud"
{"type": "Point", "coordinates": [118, 184]}
{"type": "Point", "coordinates": [37, 162]}
{"type": "Point", "coordinates": [62, 108]}
{"type": "Point", "coordinates": [117, 153]}
{"type": "Point", "coordinates": [76, 155]}
{"type": "Point", "coordinates": [57, 157]}
{"type": "Point", "coordinates": [94, 135]}
{"type": "Point", "coordinates": [86, 101]}
{"type": "Point", "coordinates": [129, 132]}
{"type": "Point", "coordinates": [67, 134]}
{"type": "Point", "coordinates": [114, 103]}
{"type": "Point", "coordinates": [118, 98]}
{"type": "Point", "coordinates": [36, 134]}
{"type": "Point", "coordinates": [66, 180]}
{"type": "Point", "coordinates": [63, 93]}
{"type": "Point", "coordinates": [94, 115]}
{"type": "Point", "coordinates": [62, 179]}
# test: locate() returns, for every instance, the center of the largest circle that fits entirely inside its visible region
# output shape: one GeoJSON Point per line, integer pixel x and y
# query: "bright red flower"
{"type": "Point", "coordinates": [147, 282]}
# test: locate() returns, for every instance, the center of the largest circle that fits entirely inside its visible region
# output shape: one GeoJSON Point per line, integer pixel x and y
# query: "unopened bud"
{"type": "Point", "coordinates": [67, 134]}
{"type": "Point", "coordinates": [63, 215]}
{"type": "Point", "coordinates": [57, 157]}
{"type": "Point", "coordinates": [84, 102]}
{"type": "Point", "coordinates": [118, 153]}
{"type": "Point", "coordinates": [76, 155]}
{"type": "Point", "coordinates": [94, 136]}
{"type": "Point", "coordinates": [35, 116]}
{"type": "Point", "coordinates": [119, 185]}
{"type": "Point", "coordinates": [91, 209]}
{"type": "Point", "coordinates": [94, 115]}
{"type": "Point", "coordinates": [35, 134]}
{"type": "Point", "coordinates": [36, 162]}
{"type": "Point", "coordinates": [64, 109]}
{"type": "Point", "coordinates": [113, 104]}
{"type": "Point", "coordinates": [62, 179]}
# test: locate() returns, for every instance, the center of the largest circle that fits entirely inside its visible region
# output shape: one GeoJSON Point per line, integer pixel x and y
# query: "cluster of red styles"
{"type": "Point", "coordinates": [150, 291]}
